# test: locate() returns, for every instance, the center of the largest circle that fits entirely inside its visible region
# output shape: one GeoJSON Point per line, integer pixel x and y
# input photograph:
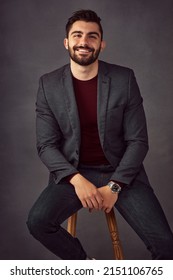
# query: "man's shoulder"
{"type": "Point", "coordinates": [110, 68]}
{"type": "Point", "coordinates": [56, 74]}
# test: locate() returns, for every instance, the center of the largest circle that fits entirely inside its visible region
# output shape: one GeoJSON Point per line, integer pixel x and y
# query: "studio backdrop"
{"type": "Point", "coordinates": [139, 35]}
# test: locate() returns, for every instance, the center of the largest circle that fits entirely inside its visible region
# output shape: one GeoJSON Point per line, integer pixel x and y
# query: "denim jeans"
{"type": "Point", "coordinates": [137, 203]}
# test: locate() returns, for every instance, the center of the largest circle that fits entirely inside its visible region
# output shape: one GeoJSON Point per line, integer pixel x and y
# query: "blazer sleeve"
{"type": "Point", "coordinates": [49, 139]}
{"type": "Point", "coordinates": [135, 135]}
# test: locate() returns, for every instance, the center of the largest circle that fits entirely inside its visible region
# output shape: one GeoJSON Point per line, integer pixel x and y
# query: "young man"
{"type": "Point", "coordinates": [92, 136]}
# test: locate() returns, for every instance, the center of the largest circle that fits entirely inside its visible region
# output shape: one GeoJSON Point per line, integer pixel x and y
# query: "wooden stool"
{"type": "Point", "coordinates": [113, 229]}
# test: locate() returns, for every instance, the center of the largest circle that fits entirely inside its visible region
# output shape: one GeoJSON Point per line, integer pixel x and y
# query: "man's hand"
{"type": "Point", "coordinates": [109, 198]}
{"type": "Point", "coordinates": [87, 192]}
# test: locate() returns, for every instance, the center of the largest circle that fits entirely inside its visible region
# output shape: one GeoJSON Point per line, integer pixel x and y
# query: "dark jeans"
{"type": "Point", "coordinates": [137, 203]}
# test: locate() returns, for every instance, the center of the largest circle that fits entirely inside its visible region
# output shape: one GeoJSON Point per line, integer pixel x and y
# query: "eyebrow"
{"type": "Point", "coordinates": [89, 33]}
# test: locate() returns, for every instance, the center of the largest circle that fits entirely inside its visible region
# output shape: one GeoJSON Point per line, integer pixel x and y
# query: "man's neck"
{"type": "Point", "coordinates": [84, 73]}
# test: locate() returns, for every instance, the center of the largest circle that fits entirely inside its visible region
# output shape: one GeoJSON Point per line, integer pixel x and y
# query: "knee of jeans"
{"type": "Point", "coordinates": [37, 224]}
{"type": "Point", "coordinates": [34, 224]}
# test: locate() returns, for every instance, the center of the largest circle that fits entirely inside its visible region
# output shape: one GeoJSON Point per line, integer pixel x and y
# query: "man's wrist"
{"type": "Point", "coordinates": [70, 177]}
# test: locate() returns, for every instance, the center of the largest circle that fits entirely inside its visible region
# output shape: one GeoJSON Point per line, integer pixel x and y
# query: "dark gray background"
{"type": "Point", "coordinates": [139, 35]}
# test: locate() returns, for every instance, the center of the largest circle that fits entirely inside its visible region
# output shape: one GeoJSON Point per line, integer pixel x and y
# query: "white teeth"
{"type": "Point", "coordinates": [83, 50]}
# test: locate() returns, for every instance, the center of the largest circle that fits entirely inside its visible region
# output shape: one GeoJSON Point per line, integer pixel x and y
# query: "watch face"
{"type": "Point", "coordinates": [115, 188]}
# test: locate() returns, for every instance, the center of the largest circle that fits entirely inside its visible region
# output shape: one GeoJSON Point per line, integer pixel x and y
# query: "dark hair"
{"type": "Point", "coordinates": [85, 15]}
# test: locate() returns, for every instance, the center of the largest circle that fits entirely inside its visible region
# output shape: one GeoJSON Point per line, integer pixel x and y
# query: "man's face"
{"type": "Point", "coordinates": [84, 42]}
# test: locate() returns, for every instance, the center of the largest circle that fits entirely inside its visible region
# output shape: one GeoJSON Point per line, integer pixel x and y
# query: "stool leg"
{"type": "Point", "coordinates": [113, 229]}
{"type": "Point", "coordinates": [71, 224]}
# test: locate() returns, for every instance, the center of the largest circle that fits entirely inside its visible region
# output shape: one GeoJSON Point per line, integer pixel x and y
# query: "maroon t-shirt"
{"type": "Point", "coordinates": [91, 152]}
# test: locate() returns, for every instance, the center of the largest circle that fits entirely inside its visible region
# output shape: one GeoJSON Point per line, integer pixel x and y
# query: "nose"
{"type": "Point", "coordinates": [84, 41]}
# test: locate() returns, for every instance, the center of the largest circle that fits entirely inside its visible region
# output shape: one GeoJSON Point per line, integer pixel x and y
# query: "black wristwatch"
{"type": "Point", "coordinates": [115, 187]}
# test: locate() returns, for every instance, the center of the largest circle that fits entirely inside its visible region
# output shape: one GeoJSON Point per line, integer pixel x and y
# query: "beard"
{"type": "Point", "coordinates": [83, 59]}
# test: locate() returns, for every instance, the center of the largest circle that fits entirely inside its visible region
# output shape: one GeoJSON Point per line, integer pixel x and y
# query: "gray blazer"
{"type": "Point", "coordinates": [121, 123]}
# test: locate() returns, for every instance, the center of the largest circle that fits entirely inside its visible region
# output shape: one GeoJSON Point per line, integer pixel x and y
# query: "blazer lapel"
{"type": "Point", "coordinates": [70, 102]}
{"type": "Point", "coordinates": [103, 94]}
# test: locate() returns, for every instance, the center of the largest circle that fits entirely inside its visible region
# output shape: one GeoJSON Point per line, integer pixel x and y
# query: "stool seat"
{"type": "Point", "coordinates": [113, 230]}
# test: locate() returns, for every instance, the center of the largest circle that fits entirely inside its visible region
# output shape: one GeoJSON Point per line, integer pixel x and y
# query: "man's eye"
{"type": "Point", "coordinates": [93, 37]}
{"type": "Point", "coordinates": [77, 35]}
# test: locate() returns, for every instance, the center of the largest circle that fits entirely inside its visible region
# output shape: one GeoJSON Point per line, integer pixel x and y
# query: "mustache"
{"type": "Point", "coordinates": [75, 48]}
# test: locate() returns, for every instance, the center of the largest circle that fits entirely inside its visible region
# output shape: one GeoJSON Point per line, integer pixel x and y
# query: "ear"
{"type": "Point", "coordinates": [103, 45]}
{"type": "Point", "coordinates": [66, 43]}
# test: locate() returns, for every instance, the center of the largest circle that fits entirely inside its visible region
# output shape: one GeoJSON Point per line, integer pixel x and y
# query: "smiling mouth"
{"type": "Point", "coordinates": [83, 50]}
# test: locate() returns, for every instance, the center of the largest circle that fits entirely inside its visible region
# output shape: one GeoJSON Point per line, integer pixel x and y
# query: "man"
{"type": "Point", "coordinates": [92, 136]}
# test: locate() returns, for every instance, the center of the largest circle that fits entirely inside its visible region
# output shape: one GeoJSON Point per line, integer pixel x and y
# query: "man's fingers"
{"type": "Point", "coordinates": [93, 203]}
{"type": "Point", "coordinates": [107, 210]}
{"type": "Point", "coordinates": [87, 203]}
{"type": "Point", "coordinates": [90, 203]}
{"type": "Point", "coordinates": [97, 202]}
{"type": "Point", "coordinates": [84, 204]}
